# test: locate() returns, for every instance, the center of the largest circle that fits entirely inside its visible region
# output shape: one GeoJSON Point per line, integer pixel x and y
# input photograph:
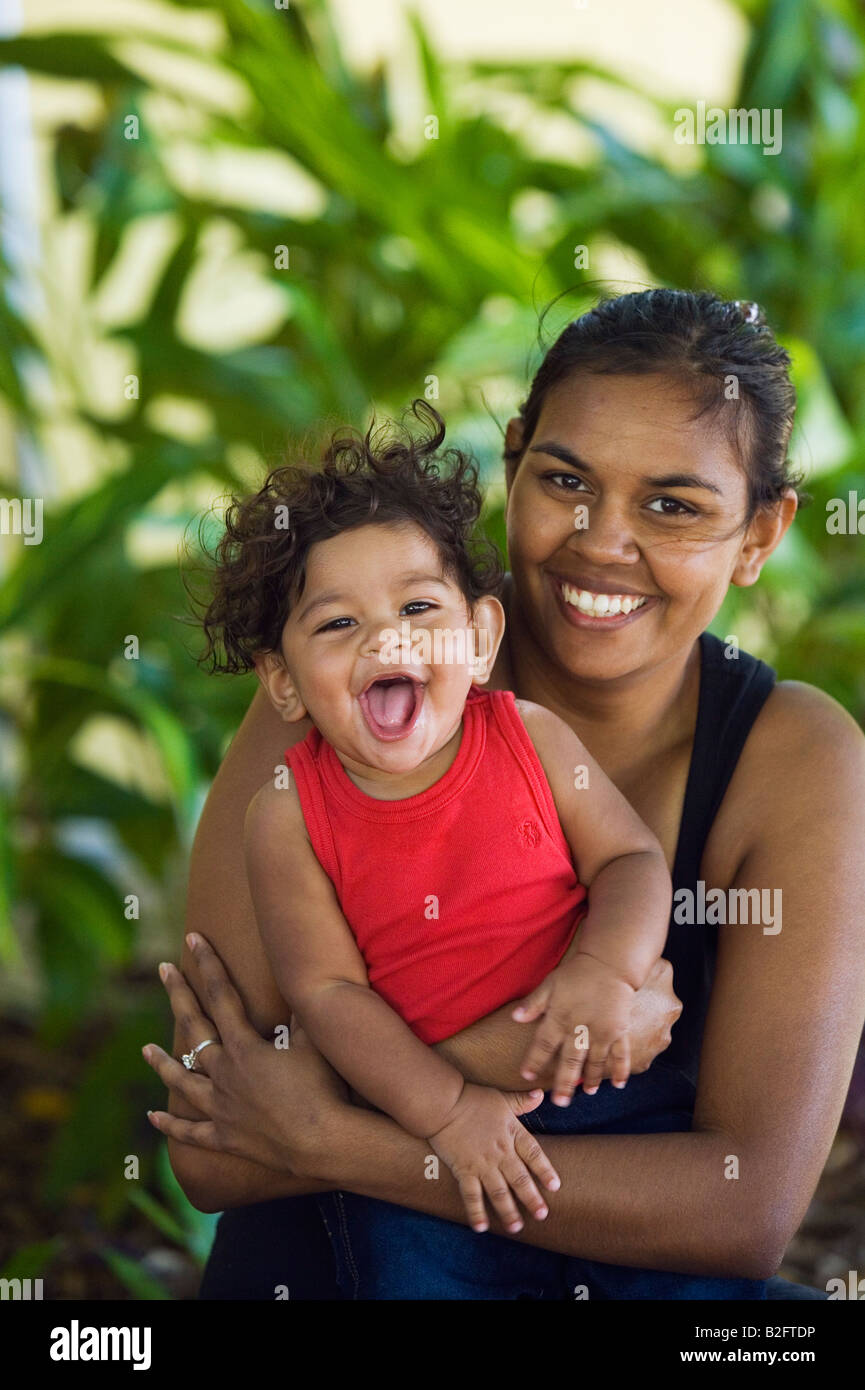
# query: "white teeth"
{"type": "Point", "coordinates": [601, 605]}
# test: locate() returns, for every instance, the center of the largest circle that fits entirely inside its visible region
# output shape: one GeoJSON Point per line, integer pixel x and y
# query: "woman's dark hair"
{"type": "Point", "coordinates": [385, 476]}
{"type": "Point", "coordinates": [721, 349]}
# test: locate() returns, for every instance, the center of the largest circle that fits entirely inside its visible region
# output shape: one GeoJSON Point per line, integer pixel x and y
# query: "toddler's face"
{"type": "Point", "coordinates": [361, 652]}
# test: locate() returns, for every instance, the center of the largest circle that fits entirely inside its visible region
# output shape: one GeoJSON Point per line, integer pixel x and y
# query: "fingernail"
{"type": "Point", "coordinates": [192, 941]}
{"type": "Point", "coordinates": [482, 1226]}
{"type": "Point", "coordinates": [554, 1184]}
{"type": "Point", "coordinates": [152, 1118]}
{"type": "Point", "coordinates": [516, 1226]}
{"type": "Point", "coordinates": [163, 971]}
{"type": "Point", "coordinates": [590, 1090]}
{"type": "Point", "coordinates": [145, 1052]}
{"type": "Point", "coordinates": [535, 1094]}
{"type": "Point", "coordinates": [620, 1085]}
{"type": "Point", "coordinates": [542, 1212]}
{"type": "Point", "coordinates": [561, 1100]}
{"type": "Point", "coordinates": [529, 1075]}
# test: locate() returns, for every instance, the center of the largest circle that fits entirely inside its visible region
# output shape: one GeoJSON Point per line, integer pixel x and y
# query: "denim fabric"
{"type": "Point", "coordinates": [383, 1251]}
{"type": "Point", "coordinates": [266, 1247]}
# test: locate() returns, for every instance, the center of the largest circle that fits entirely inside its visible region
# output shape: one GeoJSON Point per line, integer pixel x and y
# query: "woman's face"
{"type": "Point", "coordinates": [624, 521]}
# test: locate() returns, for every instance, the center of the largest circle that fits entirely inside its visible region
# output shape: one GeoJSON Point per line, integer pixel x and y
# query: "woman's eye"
{"type": "Point", "coordinates": [569, 482]}
{"type": "Point", "coordinates": [670, 506]}
{"type": "Point", "coordinates": [335, 625]}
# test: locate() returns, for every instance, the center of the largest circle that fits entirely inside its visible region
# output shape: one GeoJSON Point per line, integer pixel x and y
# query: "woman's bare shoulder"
{"type": "Point", "coordinates": [801, 773]}
{"type": "Point", "coordinates": [800, 716]}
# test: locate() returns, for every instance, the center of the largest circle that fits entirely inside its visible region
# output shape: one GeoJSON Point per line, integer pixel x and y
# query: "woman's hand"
{"type": "Point", "coordinates": [273, 1106]}
{"type": "Point", "coordinates": [654, 1011]}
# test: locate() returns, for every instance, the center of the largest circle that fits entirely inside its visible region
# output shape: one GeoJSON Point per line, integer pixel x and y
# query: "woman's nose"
{"type": "Point", "coordinates": [604, 535]}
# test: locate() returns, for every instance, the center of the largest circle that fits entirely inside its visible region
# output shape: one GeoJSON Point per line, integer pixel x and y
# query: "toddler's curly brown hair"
{"type": "Point", "coordinates": [386, 476]}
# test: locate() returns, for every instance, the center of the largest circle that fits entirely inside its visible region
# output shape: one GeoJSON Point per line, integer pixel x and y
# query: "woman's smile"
{"type": "Point", "coordinates": [600, 606]}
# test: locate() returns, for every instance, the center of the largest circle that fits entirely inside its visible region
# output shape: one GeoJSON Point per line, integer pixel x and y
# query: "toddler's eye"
{"type": "Point", "coordinates": [417, 605]}
{"type": "Point", "coordinates": [334, 625]}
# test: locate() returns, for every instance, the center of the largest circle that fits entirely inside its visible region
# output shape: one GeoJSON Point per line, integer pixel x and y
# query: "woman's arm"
{"type": "Point", "coordinates": [785, 1019]}
{"type": "Point", "coordinates": [219, 906]}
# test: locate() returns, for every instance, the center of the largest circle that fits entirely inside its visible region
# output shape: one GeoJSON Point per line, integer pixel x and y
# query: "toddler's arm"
{"type": "Point", "coordinates": [586, 1001]}
{"type": "Point", "coordinates": [322, 975]}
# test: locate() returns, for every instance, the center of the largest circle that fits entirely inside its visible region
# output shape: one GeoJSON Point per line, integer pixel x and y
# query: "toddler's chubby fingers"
{"type": "Point", "coordinates": [595, 1067]}
{"type": "Point", "coordinates": [521, 1183]}
{"type": "Point", "coordinates": [536, 1160]}
{"type": "Point", "coordinates": [543, 1047]}
{"type": "Point", "coordinates": [534, 1004]}
{"type": "Point", "coordinates": [496, 1188]}
{"type": "Point", "coordinates": [620, 1061]}
{"type": "Point", "coordinates": [567, 1079]}
{"type": "Point", "coordinates": [473, 1200]}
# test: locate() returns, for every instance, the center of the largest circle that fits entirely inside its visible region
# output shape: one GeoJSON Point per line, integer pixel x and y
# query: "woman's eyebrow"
{"type": "Point", "coordinates": [560, 451]}
{"type": "Point", "coordinates": [684, 480]}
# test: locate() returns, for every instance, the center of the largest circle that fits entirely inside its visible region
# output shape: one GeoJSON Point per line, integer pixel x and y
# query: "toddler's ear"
{"type": "Point", "coordinates": [281, 690]}
{"type": "Point", "coordinates": [488, 629]}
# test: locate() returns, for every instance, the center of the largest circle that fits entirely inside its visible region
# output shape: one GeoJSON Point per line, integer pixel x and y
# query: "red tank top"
{"type": "Point", "coordinates": [461, 898]}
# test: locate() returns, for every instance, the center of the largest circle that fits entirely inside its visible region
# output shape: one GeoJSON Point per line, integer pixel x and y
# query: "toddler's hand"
{"type": "Point", "coordinates": [489, 1151]}
{"type": "Point", "coordinates": [585, 1012]}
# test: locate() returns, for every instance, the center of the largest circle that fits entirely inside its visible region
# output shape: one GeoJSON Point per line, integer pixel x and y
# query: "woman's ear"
{"type": "Point", "coordinates": [487, 629]}
{"type": "Point", "coordinates": [513, 441]}
{"type": "Point", "coordinates": [765, 532]}
{"type": "Point", "coordinates": [273, 674]}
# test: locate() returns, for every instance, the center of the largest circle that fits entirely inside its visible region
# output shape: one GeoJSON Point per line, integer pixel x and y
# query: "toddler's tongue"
{"type": "Point", "coordinates": [391, 705]}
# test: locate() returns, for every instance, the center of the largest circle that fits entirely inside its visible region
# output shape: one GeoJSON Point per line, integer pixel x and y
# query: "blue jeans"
{"type": "Point", "coordinates": [383, 1251]}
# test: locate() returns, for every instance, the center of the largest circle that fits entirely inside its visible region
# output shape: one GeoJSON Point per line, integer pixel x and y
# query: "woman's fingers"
{"type": "Point", "coordinates": [218, 993]}
{"type": "Point", "coordinates": [201, 1133]}
{"type": "Point", "coordinates": [193, 1086]}
{"type": "Point", "coordinates": [194, 1025]}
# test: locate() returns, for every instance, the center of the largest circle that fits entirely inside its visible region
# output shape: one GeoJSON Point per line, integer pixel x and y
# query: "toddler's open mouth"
{"type": "Point", "coordinates": [391, 705]}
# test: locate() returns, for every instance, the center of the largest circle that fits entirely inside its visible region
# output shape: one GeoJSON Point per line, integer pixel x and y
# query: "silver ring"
{"type": "Point", "coordinates": [189, 1058]}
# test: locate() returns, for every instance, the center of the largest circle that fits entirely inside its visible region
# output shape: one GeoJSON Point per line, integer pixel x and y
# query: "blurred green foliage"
{"type": "Point", "coordinates": [416, 259]}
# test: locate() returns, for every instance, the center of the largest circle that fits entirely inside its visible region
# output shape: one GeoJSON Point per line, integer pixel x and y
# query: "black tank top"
{"type": "Point", "coordinates": [733, 690]}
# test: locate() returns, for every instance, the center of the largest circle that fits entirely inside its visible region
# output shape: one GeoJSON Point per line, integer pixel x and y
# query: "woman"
{"type": "Point", "coordinates": [649, 462]}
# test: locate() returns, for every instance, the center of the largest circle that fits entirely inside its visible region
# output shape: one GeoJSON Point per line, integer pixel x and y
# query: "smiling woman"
{"type": "Point", "coordinates": [687, 490]}
{"type": "Point", "coordinates": [696, 463]}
